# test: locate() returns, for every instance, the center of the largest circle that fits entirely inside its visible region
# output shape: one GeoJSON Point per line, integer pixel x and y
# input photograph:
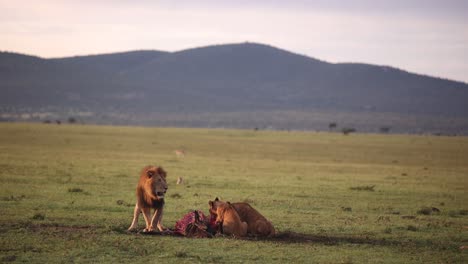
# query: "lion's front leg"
{"type": "Point", "coordinates": [157, 219]}
{"type": "Point", "coordinates": [136, 213]}
{"type": "Point", "coordinates": [147, 215]}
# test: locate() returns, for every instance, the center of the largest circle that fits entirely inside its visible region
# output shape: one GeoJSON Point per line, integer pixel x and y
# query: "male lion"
{"type": "Point", "coordinates": [229, 220]}
{"type": "Point", "coordinates": [150, 195]}
{"type": "Point", "coordinates": [258, 225]}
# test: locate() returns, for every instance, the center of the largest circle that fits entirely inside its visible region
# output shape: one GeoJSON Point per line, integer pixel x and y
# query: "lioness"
{"type": "Point", "coordinates": [229, 220]}
{"type": "Point", "coordinates": [258, 225]}
{"type": "Point", "coordinates": [150, 195]}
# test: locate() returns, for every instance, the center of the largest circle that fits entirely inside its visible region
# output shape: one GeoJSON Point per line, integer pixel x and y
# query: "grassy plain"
{"type": "Point", "coordinates": [67, 193]}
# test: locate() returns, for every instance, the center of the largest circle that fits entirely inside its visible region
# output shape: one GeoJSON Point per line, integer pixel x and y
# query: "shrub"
{"type": "Point", "coordinates": [181, 254]}
{"type": "Point", "coordinates": [347, 209]}
{"type": "Point", "coordinates": [71, 120]}
{"type": "Point", "coordinates": [369, 188]}
{"type": "Point", "coordinates": [176, 196]}
{"type": "Point", "coordinates": [428, 210]}
{"type": "Point", "coordinates": [385, 129]}
{"type": "Point", "coordinates": [75, 190]}
{"type": "Point", "coordinates": [39, 216]}
{"type": "Point", "coordinates": [348, 130]}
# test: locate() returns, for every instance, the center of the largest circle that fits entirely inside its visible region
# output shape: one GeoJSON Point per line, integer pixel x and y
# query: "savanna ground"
{"type": "Point", "coordinates": [67, 194]}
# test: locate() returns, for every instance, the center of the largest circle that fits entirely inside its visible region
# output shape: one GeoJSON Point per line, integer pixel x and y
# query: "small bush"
{"type": "Point", "coordinates": [248, 200]}
{"type": "Point", "coordinates": [123, 203]}
{"type": "Point", "coordinates": [412, 228]}
{"type": "Point", "coordinates": [176, 196]}
{"type": "Point", "coordinates": [425, 211]}
{"type": "Point", "coordinates": [453, 213]}
{"type": "Point", "coordinates": [14, 198]}
{"type": "Point", "coordinates": [75, 190]}
{"type": "Point", "coordinates": [384, 129]}
{"type": "Point", "coordinates": [9, 258]}
{"type": "Point", "coordinates": [457, 213]}
{"type": "Point", "coordinates": [408, 217]}
{"type": "Point", "coordinates": [428, 211]}
{"type": "Point", "coordinates": [369, 188]}
{"type": "Point", "coordinates": [347, 130]}
{"type": "Point", "coordinates": [71, 120]}
{"type": "Point", "coordinates": [181, 254]}
{"type": "Point", "coordinates": [347, 209]}
{"type": "Point", "coordinates": [39, 216]}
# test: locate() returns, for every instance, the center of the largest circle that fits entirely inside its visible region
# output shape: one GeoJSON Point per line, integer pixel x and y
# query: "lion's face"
{"type": "Point", "coordinates": [214, 205]}
{"type": "Point", "coordinates": [156, 180]}
{"type": "Point", "coordinates": [220, 211]}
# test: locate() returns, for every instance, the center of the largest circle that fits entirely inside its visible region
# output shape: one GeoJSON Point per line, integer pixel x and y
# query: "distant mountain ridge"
{"type": "Point", "coordinates": [145, 87]}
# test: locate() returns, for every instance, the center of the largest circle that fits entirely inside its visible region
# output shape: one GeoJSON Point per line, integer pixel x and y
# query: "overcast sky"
{"type": "Point", "coordinates": [422, 36]}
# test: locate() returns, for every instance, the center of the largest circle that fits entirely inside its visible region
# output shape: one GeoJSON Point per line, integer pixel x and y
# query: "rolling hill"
{"type": "Point", "coordinates": [236, 85]}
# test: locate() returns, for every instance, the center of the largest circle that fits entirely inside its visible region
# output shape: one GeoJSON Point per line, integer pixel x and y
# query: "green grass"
{"type": "Point", "coordinates": [67, 194]}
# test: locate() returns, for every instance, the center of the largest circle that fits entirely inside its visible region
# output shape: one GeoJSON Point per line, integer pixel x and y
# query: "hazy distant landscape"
{"type": "Point", "coordinates": [243, 85]}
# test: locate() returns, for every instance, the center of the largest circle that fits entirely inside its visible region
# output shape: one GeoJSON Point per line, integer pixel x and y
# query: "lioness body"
{"type": "Point", "coordinates": [258, 225]}
{"type": "Point", "coordinates": [150, 195]}
{"type": "Point", "coordinates": [227, 217]}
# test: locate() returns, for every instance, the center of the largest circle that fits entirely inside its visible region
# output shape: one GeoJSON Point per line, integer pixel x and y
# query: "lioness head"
{"type": "Point", "coordinates": [220, 211]}
{"type": "Point", "coordinates": [214, 205]}
{"type": "Point", "coordinates": [154, 181]}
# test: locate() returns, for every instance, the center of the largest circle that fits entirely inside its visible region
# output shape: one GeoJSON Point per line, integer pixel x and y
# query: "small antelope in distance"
{"type": "Point", "coordinates": [179, 153]}
{"type": "Point", "coordinates": [180, 180]}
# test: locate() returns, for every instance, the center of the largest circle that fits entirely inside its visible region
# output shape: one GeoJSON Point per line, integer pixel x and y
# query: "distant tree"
{"type": "Point", "coordinates": [58, 122]}
{"type": "Point", "coordinates": [47, 121]}
{"type": "Point", "coordinates": [71, 120]}
{"type": "Point", "coordinates": [385, 129]}
{"type": "Point", "coordinates": [332, 126]}
{"type": "Point", "coordinates": [348, 130]}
